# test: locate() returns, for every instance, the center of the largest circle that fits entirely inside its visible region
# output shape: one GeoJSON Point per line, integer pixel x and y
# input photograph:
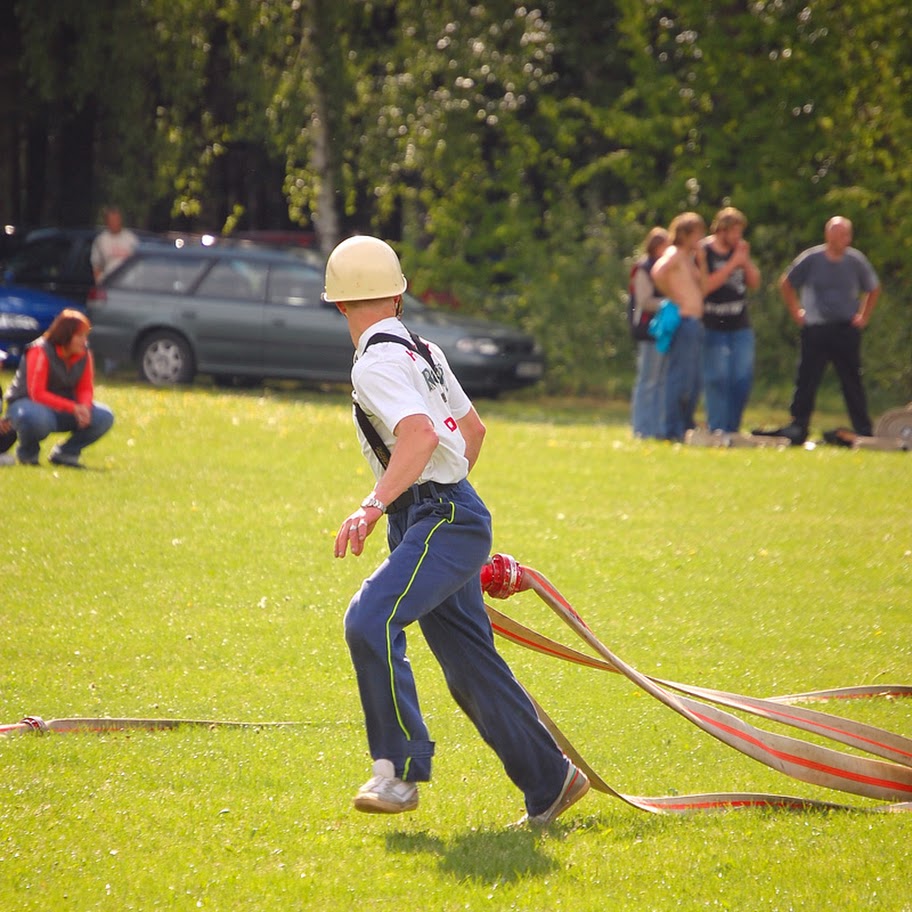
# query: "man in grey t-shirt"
{"type": "Point", "coordinates": [830, 291]}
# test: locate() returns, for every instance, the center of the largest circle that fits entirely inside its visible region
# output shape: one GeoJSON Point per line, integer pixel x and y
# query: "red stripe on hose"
{"type": "Point", "coordinates": [833, 728]}
{"type": "Point", "coordinates": [809, 764]}
{"type": "Point", "coordinates": [539, 647]}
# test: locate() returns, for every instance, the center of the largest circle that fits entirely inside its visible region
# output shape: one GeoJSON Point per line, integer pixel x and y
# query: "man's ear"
{"type": "Point", "coordinates": [341, 306]}
{"type": "Point", "coordinates": [398, 300]}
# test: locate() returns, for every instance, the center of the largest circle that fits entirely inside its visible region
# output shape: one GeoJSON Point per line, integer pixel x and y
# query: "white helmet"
{"type": "Point", "coordinates": [363, 268]}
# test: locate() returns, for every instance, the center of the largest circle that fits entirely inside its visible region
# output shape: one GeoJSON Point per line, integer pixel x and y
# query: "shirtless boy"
{"type": "Point", "coordinates": [681, 275]}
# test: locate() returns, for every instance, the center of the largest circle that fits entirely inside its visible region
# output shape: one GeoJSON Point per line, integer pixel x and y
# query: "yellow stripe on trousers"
{"type": "Point", "coordinates": [389, 645]}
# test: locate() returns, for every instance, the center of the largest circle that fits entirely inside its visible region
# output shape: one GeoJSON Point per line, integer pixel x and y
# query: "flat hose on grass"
{"type": "Point", "coordinates": [886, 779]}
{"type": "Point", "coordinates": [86, 724]}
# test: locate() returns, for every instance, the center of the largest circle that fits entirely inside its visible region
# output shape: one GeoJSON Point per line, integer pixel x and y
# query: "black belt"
{"type": "Point", "coordinates": [430, 490]}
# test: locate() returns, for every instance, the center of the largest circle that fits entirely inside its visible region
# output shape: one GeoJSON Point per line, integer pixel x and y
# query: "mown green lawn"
{"type": "Point", "coordinates": [190, 575]}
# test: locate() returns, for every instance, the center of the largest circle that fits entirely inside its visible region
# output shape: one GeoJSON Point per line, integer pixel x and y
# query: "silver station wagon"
{"type": "Point", "coordinates": [245, 314]}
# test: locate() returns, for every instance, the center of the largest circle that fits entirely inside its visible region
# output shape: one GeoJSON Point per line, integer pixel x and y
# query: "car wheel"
{"type": "Point", "coordinates": [165, 359]}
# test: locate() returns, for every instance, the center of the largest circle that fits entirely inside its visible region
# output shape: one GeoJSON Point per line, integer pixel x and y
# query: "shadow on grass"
{"type": "Point", "coordinates": [513, 854]}
{"type": "Point", "coordinates": [489, 856]}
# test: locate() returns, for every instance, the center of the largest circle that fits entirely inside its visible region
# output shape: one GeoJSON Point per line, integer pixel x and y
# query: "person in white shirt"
{"type": "Point", "coordinates": [421, 435]}
{"type": "Point", "coordinates": [113, 245]}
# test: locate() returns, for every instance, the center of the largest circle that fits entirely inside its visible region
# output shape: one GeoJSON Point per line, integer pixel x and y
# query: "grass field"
{"type": "Point", "coordinates": [190, 575]}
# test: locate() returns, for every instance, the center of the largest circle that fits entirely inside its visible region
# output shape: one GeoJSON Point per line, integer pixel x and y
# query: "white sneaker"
{"type": "Point", "coordinates": [576, 784]}
{"type": "Point", "coordinates": [7, 459]}
{"type": "Point", "coordinates": [385, 793]}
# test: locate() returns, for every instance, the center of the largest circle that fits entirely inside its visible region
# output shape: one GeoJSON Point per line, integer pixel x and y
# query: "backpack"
{"type": "Point", "coordinates": [638, 322]}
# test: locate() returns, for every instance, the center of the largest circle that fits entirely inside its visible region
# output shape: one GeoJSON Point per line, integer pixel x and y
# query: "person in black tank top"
{"type": "Point", "coordinates": [728, 343]}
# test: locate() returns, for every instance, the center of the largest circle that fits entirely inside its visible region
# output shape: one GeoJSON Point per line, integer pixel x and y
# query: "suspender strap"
{"type": "Point", "coordinates": [418, 346]}
{"type": "Point", "coordinates": [375, 441]}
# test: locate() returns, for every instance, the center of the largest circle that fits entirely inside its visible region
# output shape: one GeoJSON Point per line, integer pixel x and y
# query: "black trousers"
{"type": "Point", "coordinates": [838, 344]}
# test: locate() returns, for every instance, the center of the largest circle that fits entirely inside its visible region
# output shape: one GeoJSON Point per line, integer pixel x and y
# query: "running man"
{"type": "Point", "coordinates": [421, 435]}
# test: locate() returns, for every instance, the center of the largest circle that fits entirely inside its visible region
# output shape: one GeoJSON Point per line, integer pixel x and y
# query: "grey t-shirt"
{"type": "Point", "coordinates": [830, 290]}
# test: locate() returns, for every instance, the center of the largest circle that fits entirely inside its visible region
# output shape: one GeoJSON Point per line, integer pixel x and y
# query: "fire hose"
{"type": "Point", "coordinates": [887, 779]}
{"type": "Point", "coordinates": [104, 724]}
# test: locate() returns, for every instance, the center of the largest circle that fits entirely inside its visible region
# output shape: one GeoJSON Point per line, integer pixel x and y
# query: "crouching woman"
{"type": "Point", "coordinates": [53, 392]}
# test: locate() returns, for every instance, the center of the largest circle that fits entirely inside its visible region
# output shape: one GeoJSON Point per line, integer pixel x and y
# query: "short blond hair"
{"type": "Point", "coordinates": [727, 217]}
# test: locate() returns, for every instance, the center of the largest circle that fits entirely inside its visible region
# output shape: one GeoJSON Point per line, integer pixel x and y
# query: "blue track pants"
{"type": "Point", "coordinates": [437, 549]}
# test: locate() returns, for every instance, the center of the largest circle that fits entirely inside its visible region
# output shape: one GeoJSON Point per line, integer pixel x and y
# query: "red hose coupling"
{"type": "Point", "coordinates": [502, 576]}
{"type": "Point", "coordinates": [35, 722]}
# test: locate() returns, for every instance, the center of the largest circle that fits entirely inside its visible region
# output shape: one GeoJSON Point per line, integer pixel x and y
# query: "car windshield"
{"type": "Point", "coordinates": [39, 260]}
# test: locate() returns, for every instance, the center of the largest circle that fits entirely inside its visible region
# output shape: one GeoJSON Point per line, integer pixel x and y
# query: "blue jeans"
{"type": "Point", "coordinates": [648, 407]}
{"type": "Point", "coordinates": [33, 422]}
{"type": "Point", "coordinates": [683, 379]}
{"type": "Point", "coordinates": [728, 375]}
{"type": "Point", "coordinates": [431, 577]}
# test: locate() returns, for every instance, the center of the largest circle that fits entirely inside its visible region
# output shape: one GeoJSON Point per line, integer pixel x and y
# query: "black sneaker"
{"type": "Point", "coordinates": [60, 458]}
{"type": "Point", "coordinates": [794, 433]}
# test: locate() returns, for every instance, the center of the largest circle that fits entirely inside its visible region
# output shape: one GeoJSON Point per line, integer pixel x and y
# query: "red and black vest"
{"type": "Point", "coordinates": [62, 377]}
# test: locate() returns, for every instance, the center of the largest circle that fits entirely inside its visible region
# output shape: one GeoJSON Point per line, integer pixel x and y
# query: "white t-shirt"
{"type": "Point", "coordinates": [108, 250]}
{"type": "Point", "coordinates": [391, 383]}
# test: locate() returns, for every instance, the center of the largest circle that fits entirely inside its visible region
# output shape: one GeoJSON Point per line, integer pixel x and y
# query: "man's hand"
{"type": "Point", "coordinates": [790, 296]}
{"type": "Point", "coordinates": [355, 529]}
{"type": "Point", "coordinates": [741, 253]}
{"type": "Point", "coordinates": [863, 317]}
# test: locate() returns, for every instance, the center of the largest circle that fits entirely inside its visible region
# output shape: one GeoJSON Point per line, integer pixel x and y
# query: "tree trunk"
{"type": "Point", "coordinates": [328, 83]}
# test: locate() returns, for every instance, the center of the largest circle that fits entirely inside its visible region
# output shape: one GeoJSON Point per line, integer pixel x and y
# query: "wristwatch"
{"type": "Point", "coordinates": [373, 501]}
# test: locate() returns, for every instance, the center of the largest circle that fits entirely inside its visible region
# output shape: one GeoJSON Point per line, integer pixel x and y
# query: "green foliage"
{"type": "Point", "coordinates": [515, 154]}
{"type": "Point", "coordinates": [93, 59]}
{"type": "Point", "coordinates": [189, 574]}
{"type": "Point", "coordinates": [573, 301]}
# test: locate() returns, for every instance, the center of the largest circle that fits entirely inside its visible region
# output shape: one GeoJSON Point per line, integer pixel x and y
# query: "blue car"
{"type": "Point", "coordinates": [25, 314]}
{"type": "Point", "coordinates": [47, 270]}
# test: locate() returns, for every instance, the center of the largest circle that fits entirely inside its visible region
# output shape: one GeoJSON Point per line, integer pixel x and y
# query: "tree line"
{"type": "Point", "coordinates": [515, 154]}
